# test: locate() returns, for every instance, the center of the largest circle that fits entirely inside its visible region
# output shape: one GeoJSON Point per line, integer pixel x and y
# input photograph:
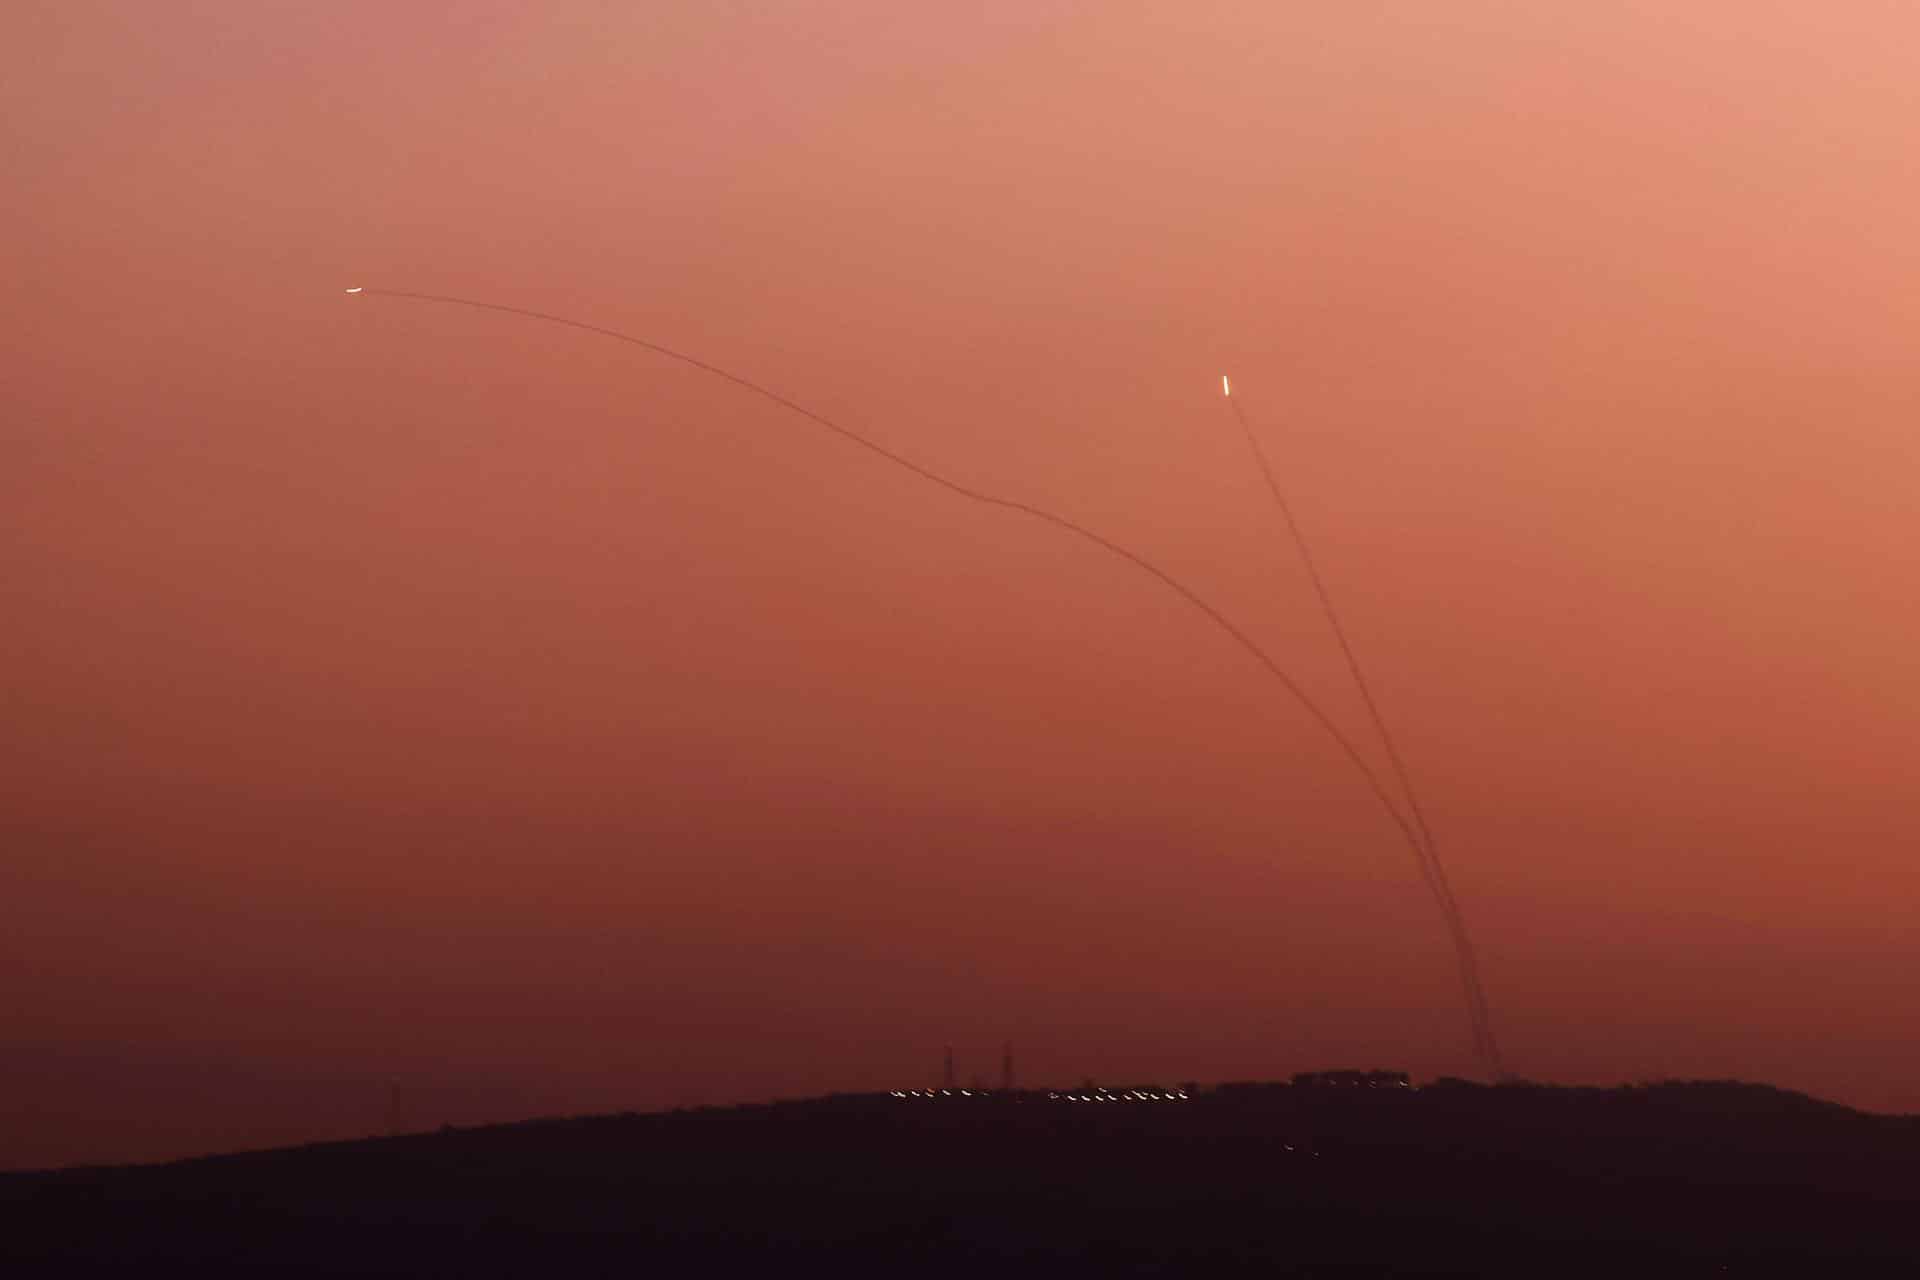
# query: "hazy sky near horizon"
{"type": "Point", "coordinates": [391, 692]}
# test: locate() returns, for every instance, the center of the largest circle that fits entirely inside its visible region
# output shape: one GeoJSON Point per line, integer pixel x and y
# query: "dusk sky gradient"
{"type": "Point", "coordinates": [393, 693]}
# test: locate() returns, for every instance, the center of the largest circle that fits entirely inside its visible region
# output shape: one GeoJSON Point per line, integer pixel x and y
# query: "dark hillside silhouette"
{"type": "Point", "coordinates": [1326, 1177]}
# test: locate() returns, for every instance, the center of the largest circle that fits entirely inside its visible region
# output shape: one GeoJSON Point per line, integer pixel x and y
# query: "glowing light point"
{"type": "Point", "coordinates": [1226, 388]}
{"type": "Point", "coordinates": [357, 289]}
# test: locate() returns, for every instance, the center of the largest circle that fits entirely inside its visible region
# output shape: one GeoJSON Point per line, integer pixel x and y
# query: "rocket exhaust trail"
{"type": "Point", "coordinates": [1179, 588]}
{"type": "Point", "coordinates": [1425, 849]}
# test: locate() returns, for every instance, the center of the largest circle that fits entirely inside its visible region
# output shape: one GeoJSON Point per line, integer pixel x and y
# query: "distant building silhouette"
{"type": "Point", "coordinates": [1006, 1066]}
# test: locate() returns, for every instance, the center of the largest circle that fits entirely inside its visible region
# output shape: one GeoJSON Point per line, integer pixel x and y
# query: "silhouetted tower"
{"type": "Point", "coordinates": [1006, 1066]}
{"type": "Point", "coordinates": [946, 1080]}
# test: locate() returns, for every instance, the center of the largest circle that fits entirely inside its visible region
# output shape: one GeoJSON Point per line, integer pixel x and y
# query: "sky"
{"type": "Point", "coordinates": [414, 715]}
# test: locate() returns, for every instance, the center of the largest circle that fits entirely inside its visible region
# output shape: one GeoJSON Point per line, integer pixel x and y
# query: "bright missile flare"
{"type": "Point", "coordinates": [357, 289]}
{"type": "Point", "coordinates": [1226, 388]}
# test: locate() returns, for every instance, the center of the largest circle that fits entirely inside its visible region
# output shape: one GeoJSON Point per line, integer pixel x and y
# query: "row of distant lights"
{"type": "Point", "coordinates": [938, 1093]}
{"type": "Point", "coordinates": [1130, 1095]}
{"type": "Point", "coordinates": [1098, 1095]}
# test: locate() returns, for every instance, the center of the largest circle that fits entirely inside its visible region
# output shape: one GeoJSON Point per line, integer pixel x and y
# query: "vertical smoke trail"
{"type": "Point", "coordinates": [1425, 849]}
{"type": "Point", "coordinates": [1476, 1008]}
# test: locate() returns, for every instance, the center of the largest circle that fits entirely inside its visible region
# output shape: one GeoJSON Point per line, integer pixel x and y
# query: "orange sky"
{"type": "Point", "coordinates": [400, 693]}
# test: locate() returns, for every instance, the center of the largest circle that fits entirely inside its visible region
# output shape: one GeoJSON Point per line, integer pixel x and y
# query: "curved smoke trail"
{"type": "Point", "coordinates": [1219, 619]}
{"type": "Point", "coordinates": [1428, 853]}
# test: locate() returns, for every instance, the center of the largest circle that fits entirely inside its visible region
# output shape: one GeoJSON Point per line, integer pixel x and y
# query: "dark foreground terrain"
{"type": "Point", "coordinates": [1673, 1179]}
